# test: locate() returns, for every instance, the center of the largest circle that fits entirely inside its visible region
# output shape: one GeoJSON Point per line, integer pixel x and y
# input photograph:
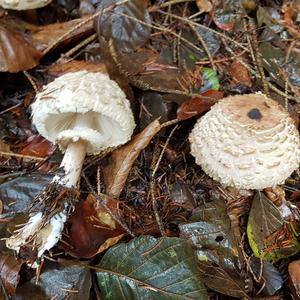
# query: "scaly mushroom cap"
{"type": "Point", "coordinates": [66, 105]}
{"type": "Point", "coordinates": [23, 4]}
{"type": "Point", "coordinates": [246, 141]}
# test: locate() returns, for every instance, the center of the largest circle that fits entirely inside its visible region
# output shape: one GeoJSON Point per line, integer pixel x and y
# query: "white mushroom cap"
{"type": "Point", "coordinates": [246, 141]}
{"type": "Point", "coordinates": [64, 107]}
{"type": "Point", "coordinates": [23, 4]}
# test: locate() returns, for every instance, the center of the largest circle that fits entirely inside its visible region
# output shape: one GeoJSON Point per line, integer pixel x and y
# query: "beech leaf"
{"type": "Point", "coordinates": [150, 268]}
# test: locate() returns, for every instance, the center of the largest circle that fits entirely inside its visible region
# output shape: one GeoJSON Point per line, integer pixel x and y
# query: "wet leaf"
{"type": "Point", "coordinates": [271, 278]}
{"type": "Point", "coordinates": [127, 33]}
{"type": "Point", "coordinates": [116, 173]}
{"type": "Point", "coordinates": [16, 54]}
{"type": "Point", "coordinates": [218, 279]}
{"type": "Point", "coordinates": [239, 74]}
{"type": "Point", "coordinates": [149, 268]}
{"type": "Point", "coordinates": [195, 106]}
{"type": "Point", "coordinates": [269, 16]}
{"type": "Point", "coordinates": [92, 228]}
{"type": "Point", "coordinates": [17, 194]}
{"type": "Point", "coordinates": [294, 278]}
{"type": "Point", "coordinates": [210, 232]}
{"type": "Point", "coordinates": [38, 146]}
{"type": "Point", "coordinates": [9, 272]}
{"type": "Point", "coordinates": [57, 282]}
{"type": "Point", "coordinates": [148, 71]}
{"type": "Point", "coordinates": [41, 37]}
{"type": "Point", "coordinates": [269, 236]}
{"type": "Point", "coordinates": [74, 66]}
{"type": "Point", "coordinates": [226, 14]}
{"type": "Point", "coordinates": [153, 106]}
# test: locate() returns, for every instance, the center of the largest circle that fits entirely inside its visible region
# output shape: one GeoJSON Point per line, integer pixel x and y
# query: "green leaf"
{"type": "Point", "coordinates": [150, 268]}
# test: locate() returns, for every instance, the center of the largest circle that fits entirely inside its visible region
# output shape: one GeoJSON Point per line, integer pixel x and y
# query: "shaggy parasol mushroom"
{"type": "Point", "coordinates": [84, 113]}
{"type": "Point", "coordinates": [246, 142]}
{"type": "Point", "coordinates": [23, 4]}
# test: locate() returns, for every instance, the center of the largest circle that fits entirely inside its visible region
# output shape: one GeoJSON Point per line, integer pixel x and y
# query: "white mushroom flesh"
{"type": "Point", "coordinates": [247, 141]}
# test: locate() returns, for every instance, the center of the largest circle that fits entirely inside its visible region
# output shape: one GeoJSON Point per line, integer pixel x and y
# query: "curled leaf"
{"type": "Point", "coordinates": [116, 173]}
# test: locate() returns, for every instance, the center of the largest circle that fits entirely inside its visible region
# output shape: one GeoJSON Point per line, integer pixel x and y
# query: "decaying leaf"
{"type": "Point", "coordinates": [127, 32]}
{"type": "Point", "coordinates": [204, 5]}
{"type": "Point", "coordinates": [38, 146]}
{"type": "Point", "coordinates": [294, 277]}
{"type": "Point", "coordinates": [198, 105]}
{"type": "Point", "coordinates": [9, 272]}
{"type": "Point", "coordinates": [239, 73]}
{"type": "Point", "coordinates": [150, 268]}
{"type": "Point", "coordinates": [16, 54]}
{"type": "Point", "coordinates": [210, 231]}
{"type": "Point", "coordinates": [92, 229]}
{"type": "Point", "coordinates": [271, 279]}
{"type": "Point", "coordinates": [269, 236]}
{"type": "Point", "coordinates": [74, 66]}
{"type": "Point", "coordinates": [116, 173]}
{"type": "Point", "coordinates": [57, 282]}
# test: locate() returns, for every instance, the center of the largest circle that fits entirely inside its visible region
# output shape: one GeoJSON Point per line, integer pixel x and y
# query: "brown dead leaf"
{"type": "Point", "coordinates": [43, 36]}
{"type": "Point", "coordinates": [93, 229]}
{"type": "Point", "coordinates": [195, 106]}
{"type": "Point", "coordinates": [294, 278]}
{"type": "Point", "coordinates": [74, 66]}
{"type": "Point", "coordinates": [116, 173]}
{"type": "Point", "coordinates": [16, 54]}
{"type": "Point", "coordinates": [239, 73]}
{"type": "Point", "coordinates": [9, 272]}
{"type": "Point", "coordinates": [4, 147]}
{"type": "Point", "coordinates": [38, 146]}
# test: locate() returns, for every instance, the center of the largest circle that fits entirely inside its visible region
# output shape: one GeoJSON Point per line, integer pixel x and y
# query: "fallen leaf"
{"type": "Point", "coordinates": [9, 272]}
{"type": "Point", "coordinates": [270, 237]}
{"type": "Point", "coordinates": [74, 66]}
{"type": "Point", "coordinates": [116, 173]}
{"type": "Point", "coordinates": [272, 280]}
{"type": "Point", "coordinates": [195, 106]}
{"type": "Point", "coordinates": [38, 146]}
{"type": "Point", "coordinates": [150, 268]}
{"type": "Point", "coordinates": [93, 229]}
{"type": "Point", "coordinates": [128, 33]}
{"type": "Point", "coordinates": [16, 54]}
{"type": "Point", "coordinates": [239, 73]}
{"type": "Point", "coordinates": [294, 278]}
{"type": "Point", "coordinates": [57, 282]}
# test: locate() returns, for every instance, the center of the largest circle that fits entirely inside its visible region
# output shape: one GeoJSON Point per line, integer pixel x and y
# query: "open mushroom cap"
{"type": "Point", "coordinates": [23, 4]}
{"type": "Point", "coordinates": [83, 106]}
{"type": "Point", "coordinates": [246, 141]}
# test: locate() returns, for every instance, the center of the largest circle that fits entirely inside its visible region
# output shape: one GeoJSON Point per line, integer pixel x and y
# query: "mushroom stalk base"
{"type": "Point", "coordinates": [72, 164]}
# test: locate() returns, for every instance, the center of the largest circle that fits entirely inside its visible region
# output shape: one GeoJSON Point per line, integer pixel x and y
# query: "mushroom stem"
{"type": "Point", "coordinates": [72, 164]}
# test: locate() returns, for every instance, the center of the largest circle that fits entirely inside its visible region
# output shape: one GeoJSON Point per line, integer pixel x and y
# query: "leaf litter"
{"type": "Point", "coordinates": [174, 60]}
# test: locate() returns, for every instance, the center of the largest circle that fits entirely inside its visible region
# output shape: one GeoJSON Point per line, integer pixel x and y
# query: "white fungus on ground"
{"type": "Point", "coordinates": [84, 113]}
{"type": "Point", "coordinates": [247, 142]}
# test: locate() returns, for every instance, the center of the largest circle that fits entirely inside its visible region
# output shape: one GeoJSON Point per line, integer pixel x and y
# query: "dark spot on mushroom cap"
{"type": "Point", "coordinates": [254, 114]}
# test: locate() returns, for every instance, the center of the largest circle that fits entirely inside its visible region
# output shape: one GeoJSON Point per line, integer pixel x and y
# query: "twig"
{"type": "Point", "coordinates": [152, 183]}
